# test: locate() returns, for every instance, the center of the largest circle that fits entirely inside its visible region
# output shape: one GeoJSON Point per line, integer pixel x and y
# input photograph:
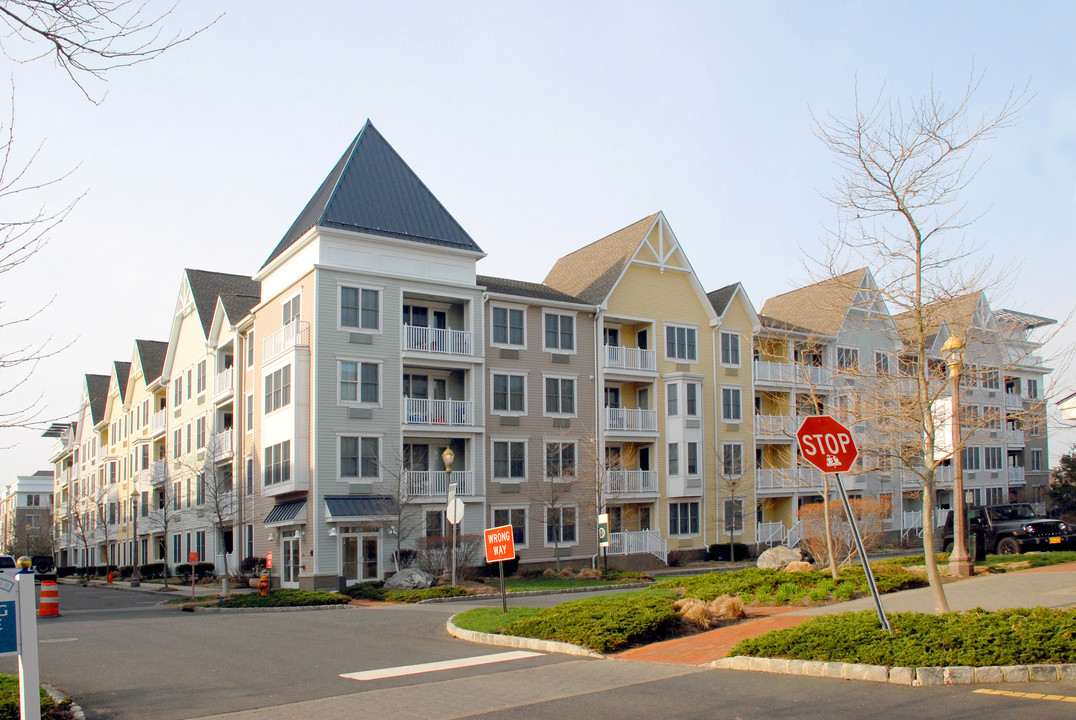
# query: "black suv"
{"type": "Point", "coordinates": [1011, 529]}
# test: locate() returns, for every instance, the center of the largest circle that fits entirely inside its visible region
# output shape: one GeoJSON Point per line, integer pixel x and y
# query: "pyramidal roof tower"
{"type": "Point", "coordinates": [372, 190]}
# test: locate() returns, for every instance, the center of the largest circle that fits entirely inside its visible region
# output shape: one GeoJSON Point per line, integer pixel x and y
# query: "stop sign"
{"type": "Point", "coordinates": [826, 444]}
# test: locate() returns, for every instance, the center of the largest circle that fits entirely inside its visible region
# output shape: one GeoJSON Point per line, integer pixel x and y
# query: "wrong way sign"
{"type": "Point", "coordinates": [827, 444]}
{"type": "Point", "coordinates": [500, 545]}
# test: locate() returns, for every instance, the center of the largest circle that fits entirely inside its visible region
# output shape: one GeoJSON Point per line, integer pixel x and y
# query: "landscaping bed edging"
{"type": "Point", "coordinates": [917, 677]}
{"type": "Point", "coordinates": [548, 646]}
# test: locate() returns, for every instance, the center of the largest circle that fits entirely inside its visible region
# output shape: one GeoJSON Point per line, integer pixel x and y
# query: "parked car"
{"type": "Point", "coordinates": [43, 564]}
{"type": "Point", "coordinates": [1011, 529]}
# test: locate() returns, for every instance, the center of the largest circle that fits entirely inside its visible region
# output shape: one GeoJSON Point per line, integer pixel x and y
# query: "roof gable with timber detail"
{"type": "Point", "coordinates": [823, 308]}
{"type": "Point", "coordinates": [723, 298]}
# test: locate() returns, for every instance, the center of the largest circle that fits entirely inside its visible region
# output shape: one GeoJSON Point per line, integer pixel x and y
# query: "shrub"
{"type": "Point", "coordinates": [286, 598]}
{"type": "Point", "coordinates": [975, 638]}
{"type": "Point", "coordinates": [721, 552]}
{"type": "Point", "coordinates": [603, 624]}
{"type": "Point", "coordinates": [414, 596]}
{"type": "Point", "coordinates": [66, 571]}
{"type": "Point", "coordinates": [706, 615]}
{"type": "Point", "coordinates": [251, 565]}
{"type": "Point", "coordinates": [125, 571]}
{"type": "Point", "coordinates": [435, 554]}
{"type": "Point", "coordinates": [151, 570]}
{"type": "Point", "coordinates": [511, 567]}
{"type": "Point", "coordinates": [870, 514]}
{"type": "Point", "coordinates": [202, 571]}
{"type": "Point", "coordinates": [626, 576]}
{"type": "Point", "coordinates": [9, 701]}
{"type": "Point", "coordinates": [373, 590]}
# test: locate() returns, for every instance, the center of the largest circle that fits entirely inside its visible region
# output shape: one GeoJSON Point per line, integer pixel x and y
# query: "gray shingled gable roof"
{"type": "Point", "coordinates": [123, 371]}
{"type": "Point", "coordinates": [239, 306]}
{"type": "Point", "coordinates": [151, 357]}
{"type": "Point", "coordinates": [372, 190]}
{"type": "Point", "coordinates": [97, 392]}
{"type": "Point", "coordinates": [721, 297]}
{"type": "Point", "coordinates": [207, 286]}
{"type": "Point", "coordinates": [522, 288]}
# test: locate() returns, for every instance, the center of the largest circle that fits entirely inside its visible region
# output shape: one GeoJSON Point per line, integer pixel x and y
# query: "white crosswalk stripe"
{"type": "Point", "coordinates": [441, 665]}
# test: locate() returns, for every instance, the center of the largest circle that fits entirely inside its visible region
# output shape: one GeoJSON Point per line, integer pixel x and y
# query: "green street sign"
{"type": "Point", "coordinates": [603, 530]}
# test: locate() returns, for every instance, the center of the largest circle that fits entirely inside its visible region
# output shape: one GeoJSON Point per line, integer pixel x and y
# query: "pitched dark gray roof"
{"type": "Point", "coordinates": [721, 297]}
{"type": "Point", "coordinates": [97, 392]}
{"type": "Point", "coordinates": [373, 190]}
{"type": "Point", "coordinates": [356, 506]}
{"type": "Point", "coordinates": [524, 289]}
{"type": "Point", "coordinates": [123, 371]}
{"type": "Point", "coordinates": [207, 286]}
{"type": "Point", "coordinates": [239, 306]}
{"type": "Point", "coordinates": [43, 473]}
{"type": "Point", "coordinates": [151, 357]}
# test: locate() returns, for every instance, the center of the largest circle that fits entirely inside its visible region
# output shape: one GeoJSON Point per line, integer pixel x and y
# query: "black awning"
{"type": "Point", "coordinates": [357, 507]}
{"type": "Point", "coordinates": [285, 512]}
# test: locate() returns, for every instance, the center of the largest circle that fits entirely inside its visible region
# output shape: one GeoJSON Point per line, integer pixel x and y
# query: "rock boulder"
{"type": "Point", "coordinates": [778, 558]}
{"type": "Point", "coordinates": [409, 579]}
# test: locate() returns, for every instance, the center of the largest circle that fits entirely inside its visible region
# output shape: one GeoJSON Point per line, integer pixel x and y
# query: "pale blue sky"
{"type": "Point", "coordinates": [540, 126]}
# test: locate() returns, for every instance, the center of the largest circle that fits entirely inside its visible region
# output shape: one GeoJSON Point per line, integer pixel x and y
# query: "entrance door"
{"type": "Point", "coordinates": [361, 559]}
{"type": "Point", "coordinates": [290, 568]}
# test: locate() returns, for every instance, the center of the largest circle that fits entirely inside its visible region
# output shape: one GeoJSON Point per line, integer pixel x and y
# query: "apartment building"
{"type": "Point", "coordinates": [26, 515]}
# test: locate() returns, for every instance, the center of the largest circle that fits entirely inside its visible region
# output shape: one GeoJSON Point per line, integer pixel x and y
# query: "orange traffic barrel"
{"type": "Point", "coordinates": [50, 600]}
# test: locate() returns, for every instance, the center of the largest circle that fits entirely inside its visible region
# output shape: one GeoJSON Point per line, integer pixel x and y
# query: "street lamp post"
{"type": "Point", "coordinates": [447, 457]}
{"type": "Point", "coordinates": [959, 561]}
{"type": "Point", "coordinates": [135, 578]}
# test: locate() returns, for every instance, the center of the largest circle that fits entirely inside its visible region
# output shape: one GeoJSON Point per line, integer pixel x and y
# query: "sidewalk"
{"type": "Point", "coordinates": [176, 590]}
{"type": "Point", "coordinates": [1053, 587]}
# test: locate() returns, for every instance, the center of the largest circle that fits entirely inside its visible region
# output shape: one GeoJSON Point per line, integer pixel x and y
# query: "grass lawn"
{"type": "Point", "coordinates": [542, 583]}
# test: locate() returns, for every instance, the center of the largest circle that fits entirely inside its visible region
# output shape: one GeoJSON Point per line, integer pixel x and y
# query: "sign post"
{"type": "Point", "coordinates": [603, 538]}
{"type": "Point", "coordinates": [454, 514]}
{"type": "Point", "coordinates": [829, 446]}
{"type": "Point", "coordinates": [19, 623]}
{"type": "Point", "coordinates": [192, 558]}
{"type": "Point", "coordinates": [500, 546]}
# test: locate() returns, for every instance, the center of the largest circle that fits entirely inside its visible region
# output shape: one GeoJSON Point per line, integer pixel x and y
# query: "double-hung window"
{"type": "Point", "coordinates": [517, 518]}
{"type": "Point", "coordinates": [560, 461]}
{"type": "Point", "coordinates": [674, 458]}
{"type": "Point", "coordinates": [692, 458]}
{"type": "Point", "coordinates": [730, 349]}
{"type": "Point", "coordinates": [508, 328]}
{"type": "Point", "coordinates": [200, 385]}
{"type": "Point", "coordinates": [359, 382]}
{"type": "Point", "coordinates": [559, 396]}
{"type": "Point", "coordinates": [971, 457]}
{"type": "Point", "coordinates": [360, 308]}
{"type": "Point", "coordinates": [509, 460]}
{"type": "Point", "coordinates": [199, 426]}
{"type": "Point", "coordinates": [559, 332]}
{"type": "Point", "coordinates": [278, 389]}
{"type": "Point", "coordinates": [731, 404]}
{"type": "Point", "coordinates": [847, 358]}
{"type": "Point", "coordinates": [277, 467]}
{"type": "Point", "coordinates": [992, 457]}
{"type": "Point", "coordinates": [509, 393]}
{"type": "Point", "coordinates": [672, 396]}
{"type": "Point", "coordinates": [691, 390]}
{"type": "Point", "coordinates": [731, 460]}
{"type": "Point", "coordinates": [560, 526]}
{"type": "Point", "coordinates": [359, 457]}
{"type": "Point", "coordinates": [290, 310]}
{"type": "Point", "coordinates": [684, 518]}
{"type": "Point", "coordinates": [681, 343]}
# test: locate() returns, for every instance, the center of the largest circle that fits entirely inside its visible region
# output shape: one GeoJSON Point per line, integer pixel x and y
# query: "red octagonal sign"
{"type": "Point", "coordinates": [827, 444]}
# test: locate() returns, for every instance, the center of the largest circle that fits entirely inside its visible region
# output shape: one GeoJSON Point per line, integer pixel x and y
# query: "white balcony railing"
{"type": "Point", "coordinates": [159, 472]}
{"type": "Point", "coordinates": [294, 334]}
{"type": "Point", "coordinates": [159, 422]}
{"type": "Point", "coordinates": [438, 340]}
{"type": "Point", "coordinates": [222, 444]}
{"type": "Point", "coordinates": [638, 543]}
{"type": "Point", "coordinates": [1013, 401]}
{"type": "Point", "coordinates": [434, 483]}
{"type": "Point", "coordinates": [787, 478]}
{"type": "Point", "coordinates": [438, 412]}
{"type": "Point", "coordinates": [791, 373]}
{"type": "Point", "coordinates": [780, 426]}
{"type": "Point", "coordinates": [631, 481]}
{"type": "Point", "coordinates": [224, 382]}
{"type": "Point", "coordinates": [1013, 437]}
{"type": "Point", "coordinates": [631, 420]}
{"type": "Point", "coordinates": [618, 357]}
{"type": "Point", "coordinates": [1016, 476]}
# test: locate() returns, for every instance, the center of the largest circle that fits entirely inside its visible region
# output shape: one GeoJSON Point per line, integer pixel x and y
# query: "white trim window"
{"type": "Point", "coordinates": [1036, 460]}
{"type": "Point", "coordinates": [730, 348]}
{"type": "Point", "coordinates": [672, 399]}
{"type": "Point", "coordinates": [674, 458]}
{"type": "Point", "coordinates": [681, 343]}
{"type": "Point", "coordinates": [277, 467]}
{"type": "Point", "coordinates": [560, 462]}
{"type": "Point", "coordinates": [250, 349]}
{"type": "Point", "coordinates": [360, 308]}
{"type": "Point", "coordinates": [517, 518]}
{"type": "Point", "coordinates": [250, 413]}
{"type": "Point", "coordinates": [199, 427]}
{"type": "Point", "coordinates": [1032, 386]}
{"type": "Point", "coordinates": [291, 309]}
{"type": "Point", "coordinates": [509, 460]}
{"type": "Point", "coordinates": [733, 513]}
{"type": "Point", "coordinates": [509, 393]}
{"type": "Point", "coordinates": [278, 389]}
{"type": "Point", "coordinates": [847, 358]}
{"type": "Point", "coordinates": [560, 526]}
{"type": "Point", "coordinates": [683, 519]}
{"type": "Point", "coordinates": [508, 327]}
{"type": "Point", "coordinates": [360, 458]}
{"type": "Point", "coordinates": [201, 381]}
{"type": "Point", "coordinates": [360, 382]}
{"type": "Point", "coordinates": [692, 398]}
{"type": "Point", "coordinates": [692, 458]}
{"type": "Point", "coordinates": [992, 457]}
{"type": "Point", "coordinates": [731, 460]}
{"type": "Point", "coordinates": [972, 458]}
{"type": "Point", "coordinates": [559, 395]}
{"type": "Point", "coordinates": [732, 404]}
{"type": "Point", "coordinates": [558, 333]}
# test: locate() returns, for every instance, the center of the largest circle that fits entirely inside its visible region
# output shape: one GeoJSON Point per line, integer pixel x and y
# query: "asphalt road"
{"type": "Point", "coordinates": [122, 656]}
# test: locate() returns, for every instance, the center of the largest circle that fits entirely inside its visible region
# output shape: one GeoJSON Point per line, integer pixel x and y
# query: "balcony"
{"type": "Point", "coordinates": [618, 358]}
{"type": "Point", "coordinates": [631, 482]}
{"type": "Point", "coordinates": [781, 427]}
{"type": "Point", "coordinates": [434, 483]}
{"type": "Point", "coordinates": [1013, 401]}
{"type": "Point", "coordinates": [224, 384]}
{"type": "Point", "coordinates": [439, 341]}
{"type": "Point", "coordinates": [159, 423]}
{"type": "Point", "coordinates": [791, 373]}
{"type": "Point", "coordinates": [159, 473]}
{"type": "Point", "coordinates": [221, 446]}
{"type": "Point", "coordinates": [1013, 437]}
{"type": "Point", "coordinates": [787, 478]}
{"type": "Point", "coordinates": [419, 411]}
{"type": "Point", "coordinates": [631, 420]}
{"type": "Point", "coordinates": [1016, 476]}
{"type": "Point", "coordinates": [294, 334]}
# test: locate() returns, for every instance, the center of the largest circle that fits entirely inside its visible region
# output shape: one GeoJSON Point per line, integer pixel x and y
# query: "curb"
{"type": "Point", "coordinates": [548, 646]}
{"type": "Point", "coordinates": [76, 709]}
{"type": "Point", "coordinates": [535, 593]}
{"type": "Point", "coordinates": [916, 677]}
{"type": "Point", "coordinates": [300, 608]}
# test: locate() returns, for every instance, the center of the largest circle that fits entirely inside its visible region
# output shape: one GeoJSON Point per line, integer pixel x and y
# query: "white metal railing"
{"type": "Point", "coordinates": [434, 483]}
{"type": "Point", "coordinates": [438, 340]}
{"type": "Point", "coordinates": [631, 481]}
{"type": "Point", "coordinates": [1016, 476]}
{"type": "Point", "coordinates": [224, 382]}
{"type": "Point", "coordinates": [783, 372]}
{"type": "Point", "coordinates": [294, 334]}
{"type": "Point", "coordinates": [631, 419]}
{"type": "Point", "coordinates": [783, 478]}
{"type": "Point", "coordinates": [160, 421]}
{"type": "Point", "coordinates": [1012, 400]}
{"type": "Point", "coordinates": [794, 535]}
{"type": "Point", "coordinates": [628, 358]}
{"type": "Point", "coordinates": [639, 542]}
{"type": "Point", "coordinates": [777, 425]}
{"type": "Point", "coordinates": [222, 443]}
{"type": "Point", "coordinates": [770, 533]}
{"type": "Point", "coordinates": [438, 412]}
{"type": "Point", "coordinates": [1013, 437]}
{"type": "Point", "coordinates": [159, 472]}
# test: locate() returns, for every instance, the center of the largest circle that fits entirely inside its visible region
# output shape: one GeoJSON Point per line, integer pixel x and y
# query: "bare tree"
{"type": "Point", "coordinates": [403, 486]}
{"type": "Point", "coordinates": [904, 169]}
{"type": "Point", "coordinates": [561, 478]}
{"type": "Point", "coordinates": [218, 493]}
{"type": "Point", "coordinates": [165, 509]}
